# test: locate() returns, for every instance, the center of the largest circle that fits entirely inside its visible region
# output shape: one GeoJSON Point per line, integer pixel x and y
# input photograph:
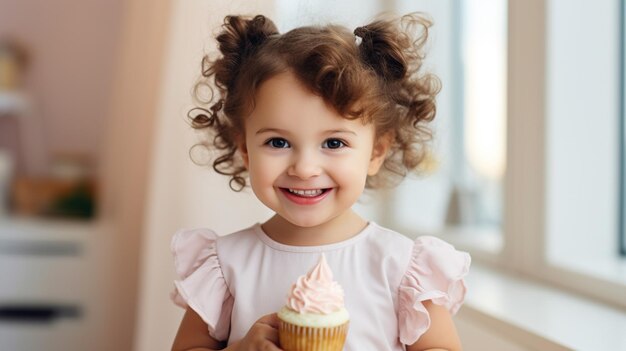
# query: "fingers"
{"type": "Point", "coordinates": [263, 335]}
{"type": "Point", "coordinates": [266, 329]}
{"type": "Point", "coordinates": [266, 332]}
{"type": "Point", "coordinates": [269, 319]}
{"type": "Point", "coordinates": [268, 346]}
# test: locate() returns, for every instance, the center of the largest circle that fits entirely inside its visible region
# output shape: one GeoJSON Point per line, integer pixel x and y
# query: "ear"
{"type": "Point", "coordinates": [242, 147]}
{"type": "Point", "coordinates": [379, 153]}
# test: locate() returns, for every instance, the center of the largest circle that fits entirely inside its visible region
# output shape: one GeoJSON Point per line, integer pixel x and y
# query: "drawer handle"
{"type": "Point", "coordinates": [36, 313]}
{"type": "Point", "coordinates": [39, 248]}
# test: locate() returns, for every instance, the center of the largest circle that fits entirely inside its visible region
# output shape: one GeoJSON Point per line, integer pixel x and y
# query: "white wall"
{"type": "Point", "coordinates": [351, 13]}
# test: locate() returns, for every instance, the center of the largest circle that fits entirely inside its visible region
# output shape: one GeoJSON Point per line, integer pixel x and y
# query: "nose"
{"type": "Point", "coordinates": [304, 165]}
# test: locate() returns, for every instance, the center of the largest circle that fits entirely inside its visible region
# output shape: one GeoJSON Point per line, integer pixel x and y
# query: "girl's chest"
{"type": "Point", "coordinates": [369, 298]}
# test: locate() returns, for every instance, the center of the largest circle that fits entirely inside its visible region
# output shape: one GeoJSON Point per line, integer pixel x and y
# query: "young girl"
{"type": "Point", "coordinates": [313, 117]}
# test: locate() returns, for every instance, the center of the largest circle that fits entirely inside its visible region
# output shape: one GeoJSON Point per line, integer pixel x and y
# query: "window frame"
{"type": "Point", "coordinates": [524, 222]}
{"type": "Point", "coordinates": [521, 246]}
{"type": "Point", "coordinates": [523, 238]}
{"type": "Point", "coordinates": [622, 139]}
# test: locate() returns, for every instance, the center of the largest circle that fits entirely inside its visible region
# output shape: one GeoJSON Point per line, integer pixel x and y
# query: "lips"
{"type": "Point", "coordinates": [305, 196]}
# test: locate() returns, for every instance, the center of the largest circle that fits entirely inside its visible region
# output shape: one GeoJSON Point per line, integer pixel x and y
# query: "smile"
{"type": "Point", "coordinates": [306, 193]}
{"type": "Point", "coordinates": [305, 196]}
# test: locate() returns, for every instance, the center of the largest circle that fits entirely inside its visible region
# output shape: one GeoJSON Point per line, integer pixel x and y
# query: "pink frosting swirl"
{"type": "Point", "coordinates": [316, 292]}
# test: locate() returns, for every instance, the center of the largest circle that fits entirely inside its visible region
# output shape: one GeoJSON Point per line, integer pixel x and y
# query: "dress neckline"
{"type": "Point", "coordinates": [318, 248]}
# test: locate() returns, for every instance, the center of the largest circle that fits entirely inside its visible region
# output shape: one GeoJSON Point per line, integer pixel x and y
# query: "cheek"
{"type": "Point", "coordinates": [352, 171]}
{"type": "Point", "coordinates": [263, 170]}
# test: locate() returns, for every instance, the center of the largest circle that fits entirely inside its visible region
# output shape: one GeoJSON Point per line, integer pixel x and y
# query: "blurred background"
{"type": "Point", "coordinates": [526, 170]}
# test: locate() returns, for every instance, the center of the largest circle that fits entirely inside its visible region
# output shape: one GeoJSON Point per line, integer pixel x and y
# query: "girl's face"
{"type": "Point", "coordinates": [295, 143]}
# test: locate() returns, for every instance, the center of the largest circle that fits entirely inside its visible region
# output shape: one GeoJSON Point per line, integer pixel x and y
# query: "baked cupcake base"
{"type": "Point", "coordinates": [294, 337]}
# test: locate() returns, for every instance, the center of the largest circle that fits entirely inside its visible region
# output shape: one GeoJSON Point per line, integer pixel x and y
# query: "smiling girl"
{"type": "Point", "coordinates": [310, 118]}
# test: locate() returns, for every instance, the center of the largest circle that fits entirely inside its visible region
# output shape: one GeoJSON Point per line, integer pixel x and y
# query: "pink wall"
{"type": "Point", "coordinates": [74, 48]}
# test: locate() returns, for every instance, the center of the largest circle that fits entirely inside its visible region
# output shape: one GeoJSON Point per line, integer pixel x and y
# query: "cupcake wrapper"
{"type": "Point", "coordinates": [297, 338]}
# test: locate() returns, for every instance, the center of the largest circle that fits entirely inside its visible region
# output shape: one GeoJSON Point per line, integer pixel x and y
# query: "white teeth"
{"type": "Point", "coordinates": [307, 193]}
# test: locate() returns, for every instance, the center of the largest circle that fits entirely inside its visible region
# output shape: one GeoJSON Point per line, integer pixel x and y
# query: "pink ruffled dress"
{"type": "Point", "coordinates": [233, 280]}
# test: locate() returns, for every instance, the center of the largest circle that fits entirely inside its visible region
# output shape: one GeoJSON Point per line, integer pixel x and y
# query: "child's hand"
{"type": "Point", "coordinates": [262, 336]}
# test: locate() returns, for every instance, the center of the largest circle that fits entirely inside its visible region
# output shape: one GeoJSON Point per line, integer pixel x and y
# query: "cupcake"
{"type": "Point", "coordinates": [314, 317]}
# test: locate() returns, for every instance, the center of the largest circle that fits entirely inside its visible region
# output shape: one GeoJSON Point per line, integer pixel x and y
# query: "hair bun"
{"type": "Point", "coordinates": [388, 53]}
{"type": "Point", "coordinates": [240, 38]}
{"type": "Point", "coordinates": [360, 32]}
{"type": "Point", "coordinates": [257, 31]}
{"type": "Point", "coordinates": [381, 52]}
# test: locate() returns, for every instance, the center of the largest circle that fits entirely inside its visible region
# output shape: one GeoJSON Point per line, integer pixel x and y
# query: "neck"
{"type": "Point", "coordinates": [340, 228]}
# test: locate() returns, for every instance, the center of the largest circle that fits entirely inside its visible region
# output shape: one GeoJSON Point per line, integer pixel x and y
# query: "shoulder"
{"type": "Point", "coordinates": [207, 236]}
{"type": "Point", "coordinates": [238, 240]}
{"type": "Point", "coordinates": [388, 240]}
{"type": "Point", "coordinates": [192, 246]}
{"type": "Point", "coordinates": [388, 250]}
{"type": "Point", "coordinates": [440, 256]}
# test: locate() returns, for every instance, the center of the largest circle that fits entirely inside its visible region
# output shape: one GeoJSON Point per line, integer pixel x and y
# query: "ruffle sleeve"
{"type": "Point", "coordinates": [200, 284]}
{"type": "Point", "coordinates": [435, 272]}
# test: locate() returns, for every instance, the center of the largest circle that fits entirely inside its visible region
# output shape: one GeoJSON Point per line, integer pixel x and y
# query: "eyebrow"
{"type": "Point", "coordinates": [278, 130]}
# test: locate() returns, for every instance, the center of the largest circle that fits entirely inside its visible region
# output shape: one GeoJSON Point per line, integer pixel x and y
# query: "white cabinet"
{"type": "Point", "coordinates": [50, 284]}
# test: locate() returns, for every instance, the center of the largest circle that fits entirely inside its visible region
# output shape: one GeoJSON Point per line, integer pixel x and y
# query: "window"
{"type": "Point", "coordinates": [582, 136]}
{"type": "Point", "coordinates": [559, 216]}
{"type": "Point", "coordinates": [483, 100]}
{"type": "Point", "coordinates": [464, 195]}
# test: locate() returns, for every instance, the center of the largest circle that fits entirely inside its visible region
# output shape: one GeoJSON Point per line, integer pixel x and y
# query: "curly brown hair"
{"type": "Point", "coordinates": [372, 73]}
